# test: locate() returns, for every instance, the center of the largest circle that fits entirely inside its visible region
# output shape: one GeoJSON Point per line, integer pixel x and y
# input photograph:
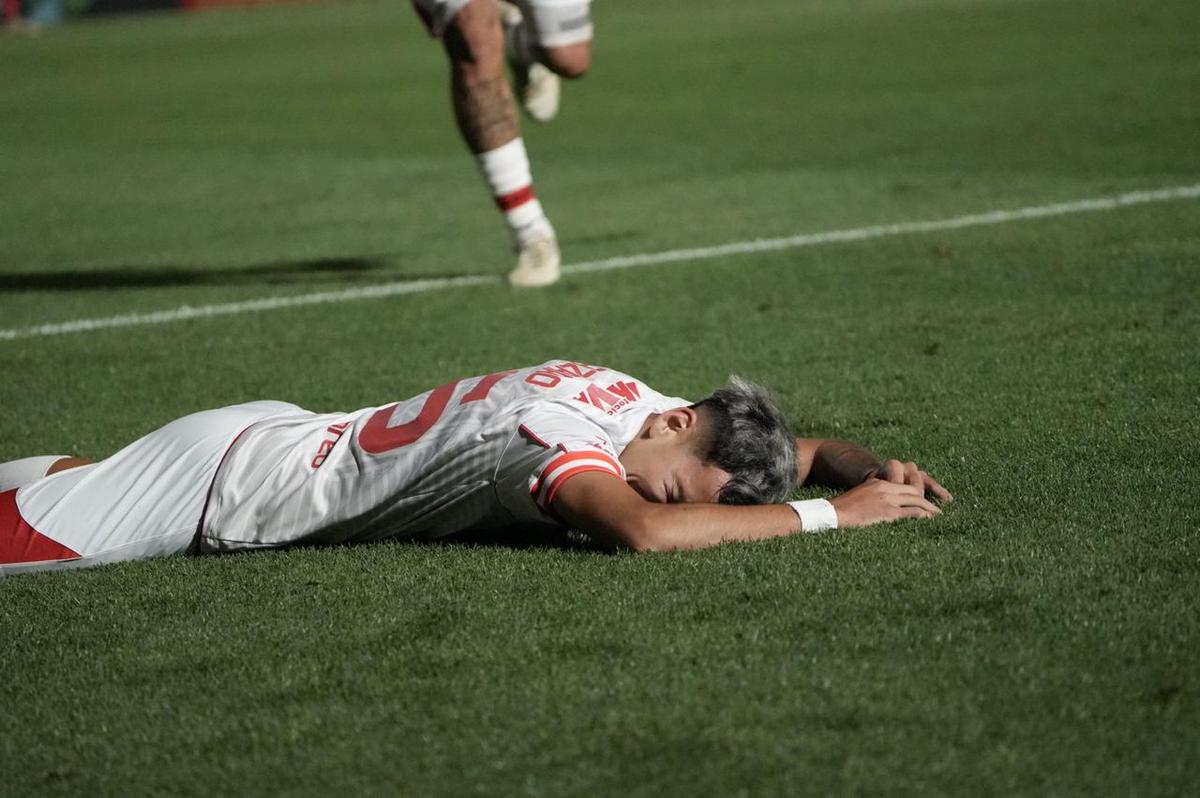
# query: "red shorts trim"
{"type": "Point", "coordinates": [19, 542]}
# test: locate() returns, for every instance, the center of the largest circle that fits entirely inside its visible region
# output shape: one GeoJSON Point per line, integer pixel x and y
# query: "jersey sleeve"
{"type": "Point", "coordinates": [553, 444]}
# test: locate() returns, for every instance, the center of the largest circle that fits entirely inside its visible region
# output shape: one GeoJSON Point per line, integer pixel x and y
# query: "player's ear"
{"type": "Point", "coordinates": [680, 421]}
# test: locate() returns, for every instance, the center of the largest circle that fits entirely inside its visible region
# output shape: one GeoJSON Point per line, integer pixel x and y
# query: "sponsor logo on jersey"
{"type": "Point", "coordinates": [613, 398]}
{"type": "Point", "coordinates": [335, 432]}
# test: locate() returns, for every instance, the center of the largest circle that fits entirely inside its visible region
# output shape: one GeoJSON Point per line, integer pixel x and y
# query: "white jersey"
{"type": "Point", "coordinates": [486, 451]}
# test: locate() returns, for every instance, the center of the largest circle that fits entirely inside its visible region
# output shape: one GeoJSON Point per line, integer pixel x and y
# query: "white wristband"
{"type": "Point", "coordinates": [816, 515]}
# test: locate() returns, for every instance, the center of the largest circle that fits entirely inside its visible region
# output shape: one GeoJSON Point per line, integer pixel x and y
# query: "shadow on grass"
{"type": "Point", "coordinates": [522, 538]}
{"type": "Point", "coordinates": [331, 269]}
{"type": "Point", "coordinates": [511, 538]}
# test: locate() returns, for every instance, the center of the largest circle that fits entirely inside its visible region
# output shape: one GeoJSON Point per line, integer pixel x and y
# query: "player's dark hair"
{"type": "Point", "coordinates": [749, 438]}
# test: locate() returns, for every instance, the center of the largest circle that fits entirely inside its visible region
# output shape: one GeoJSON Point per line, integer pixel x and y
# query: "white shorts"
{"type": "Point", "coordinates": [147, 500]}
{"type": "Point", "coordinates": [554, 23]}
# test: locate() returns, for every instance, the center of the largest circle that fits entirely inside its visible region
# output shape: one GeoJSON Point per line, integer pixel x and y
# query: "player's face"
{"type": "Point", "coordinates": [662, 465]}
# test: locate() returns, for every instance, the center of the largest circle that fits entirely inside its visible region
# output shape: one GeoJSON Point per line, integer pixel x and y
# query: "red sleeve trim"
{"type": "Point", "coordinates": [561, 480]}
{"type": "Point", "coordinates": [571, 457]}
{"type": "Point", "coordinates": [560, 468]}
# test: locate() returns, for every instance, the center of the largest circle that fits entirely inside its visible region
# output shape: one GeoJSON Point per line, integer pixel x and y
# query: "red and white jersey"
{"type": "Point", "coordinates": [485, 451]}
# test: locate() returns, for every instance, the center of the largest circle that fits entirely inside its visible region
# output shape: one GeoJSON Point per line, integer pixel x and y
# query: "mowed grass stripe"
{"type": "Point", "coordinates": [751, 246]}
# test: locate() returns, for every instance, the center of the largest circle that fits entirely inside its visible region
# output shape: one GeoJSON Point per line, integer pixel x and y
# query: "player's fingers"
{"type": "Point", "coordinates": [912, 476]}
{"type": "Point", "coordinates": [920, 502]}
{"type": "Point", "coordinates": [892, 471]}
{"type": "Point", "coordinates": [914, 512]}
{"type": "Point", "coordinates": [934, 488]}
{"type": "Point", "coordinates": [902, 489]}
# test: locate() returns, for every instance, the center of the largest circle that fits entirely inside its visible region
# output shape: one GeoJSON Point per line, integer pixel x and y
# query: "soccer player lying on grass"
{"type": "Point", "coordinates": [562, 443]}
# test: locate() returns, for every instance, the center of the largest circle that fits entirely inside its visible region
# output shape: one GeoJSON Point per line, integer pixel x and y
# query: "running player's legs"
{"type": "Point", "coordinates": [486, 114]}
{"type": "Point", "coordinates": [144, 501]}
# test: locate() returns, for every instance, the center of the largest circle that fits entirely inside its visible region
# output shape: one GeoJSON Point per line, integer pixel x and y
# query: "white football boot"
{"type": "Point", "coordinates": [536, 86]}
{"type": "Point", "coordinates": [538, 263]}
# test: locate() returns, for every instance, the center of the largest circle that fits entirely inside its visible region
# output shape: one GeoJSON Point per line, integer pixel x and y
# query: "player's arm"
{"type": "Point", "coordinates": [605, 507]}
{"type": "Point", "coordinates": [844, 464]}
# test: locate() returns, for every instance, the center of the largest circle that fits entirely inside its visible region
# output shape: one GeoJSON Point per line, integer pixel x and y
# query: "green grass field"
{"type": "Point", "coordinates": [1039, 638]}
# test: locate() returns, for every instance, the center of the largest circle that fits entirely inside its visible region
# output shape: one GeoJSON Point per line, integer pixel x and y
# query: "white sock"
{"type": "Point", "coordinates": [19, 473]}
{"type": "Point", "coordinates": [506, 171]}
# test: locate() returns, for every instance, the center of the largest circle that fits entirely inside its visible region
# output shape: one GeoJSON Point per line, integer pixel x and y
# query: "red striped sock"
{"type": "Point", "coordinates": [506, 171]}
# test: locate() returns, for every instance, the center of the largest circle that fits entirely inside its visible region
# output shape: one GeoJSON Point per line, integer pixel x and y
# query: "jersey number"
{"type": "Point", "coordinates": [377, 437]}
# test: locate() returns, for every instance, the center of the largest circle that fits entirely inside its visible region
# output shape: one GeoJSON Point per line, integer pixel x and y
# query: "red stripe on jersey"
{"type": "Point", "coordinates": [570, 472]}
{"type": "Point", "coordinates": [19, 542]}
{"type": "Point", "coordinates": [528, 433]}
{"type": "Point", "coordinates": [514, 199]}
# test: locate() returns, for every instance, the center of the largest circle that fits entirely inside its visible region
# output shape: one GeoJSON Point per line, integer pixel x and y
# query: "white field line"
{"type": "Point", "coordinates": [1093, 205]}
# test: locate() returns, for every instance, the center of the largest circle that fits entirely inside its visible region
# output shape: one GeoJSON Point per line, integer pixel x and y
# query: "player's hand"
{"type": "Point", "coordinates": [911, 474]}
{"type": "Point", "coordinates": [877, 500]}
